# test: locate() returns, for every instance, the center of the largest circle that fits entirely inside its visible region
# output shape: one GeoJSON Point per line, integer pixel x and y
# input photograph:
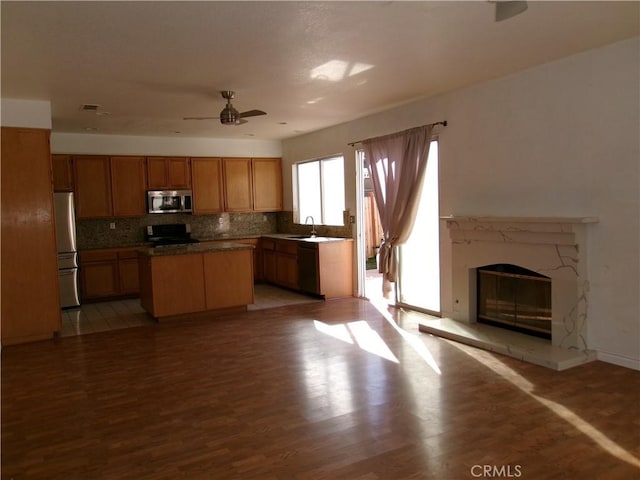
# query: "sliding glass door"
{"type": "Point", "coordinates": [419, 272]}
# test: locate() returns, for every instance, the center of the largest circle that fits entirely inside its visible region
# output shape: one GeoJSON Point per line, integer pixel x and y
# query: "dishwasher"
{"type": "Point", "coordinates": [308, 275]}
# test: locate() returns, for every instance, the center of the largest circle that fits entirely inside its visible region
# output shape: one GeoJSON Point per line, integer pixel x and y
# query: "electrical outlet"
{"type": "Point", "coordinates": [112, 226]}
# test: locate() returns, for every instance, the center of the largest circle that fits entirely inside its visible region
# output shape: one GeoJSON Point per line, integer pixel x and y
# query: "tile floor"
{"type": "Point", "coordinates": [117, 314]}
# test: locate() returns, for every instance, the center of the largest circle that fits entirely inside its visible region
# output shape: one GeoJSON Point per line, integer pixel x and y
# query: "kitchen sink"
{"type": "Point", "coordinates": [300, 236]}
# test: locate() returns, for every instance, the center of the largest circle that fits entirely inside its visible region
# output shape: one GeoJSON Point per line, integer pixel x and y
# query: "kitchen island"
{"type": "Point", "coordinates": [187, 279]}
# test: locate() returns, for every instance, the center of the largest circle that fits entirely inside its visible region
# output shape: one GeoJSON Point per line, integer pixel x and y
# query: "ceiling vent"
{"type": "Point", "coordinates": [89, 107]}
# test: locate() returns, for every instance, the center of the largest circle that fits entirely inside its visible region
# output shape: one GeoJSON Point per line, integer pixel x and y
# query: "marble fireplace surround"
{"type": "Point", "coordinates": [552, 246]}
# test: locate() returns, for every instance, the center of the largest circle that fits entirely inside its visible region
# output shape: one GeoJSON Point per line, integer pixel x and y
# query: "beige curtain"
{"type": "Point", "coordinates": [397, 164]}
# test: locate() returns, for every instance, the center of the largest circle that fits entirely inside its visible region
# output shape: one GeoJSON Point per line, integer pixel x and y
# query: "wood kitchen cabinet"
{"type": "Point", "coordinates": [322, 268]}
{"type": "Point", "coordinates": [280, 262]}
{"type": "Point", "coordinates": [128, 186]}
{"type": "Point", "coordinates": [92, 186]}
{"type": "Point", "coordinates": [206, 279]}
{"type": "Point", "coordinates": [237, 184]}
{"type": "Point", "coordinates": [62, 173]}
{"type": "Point", "coordinates": [109, 186]}
{"type": "Point", "coordinates": [267, 184]}
{"type": "Point", "coordinates": [30, 299]}
{"type": "Point", "coordinates": [208, 195]}
{"type": "Point", "coordinates": [109, 273]}
{"type": "Point", "coordinates": [168, 173]}
{"type": "Point", "coordinates": [252, 184]}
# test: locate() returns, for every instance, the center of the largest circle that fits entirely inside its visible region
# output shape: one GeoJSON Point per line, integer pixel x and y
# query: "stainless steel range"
{"type": "Point", "coordinates": [169, 234]}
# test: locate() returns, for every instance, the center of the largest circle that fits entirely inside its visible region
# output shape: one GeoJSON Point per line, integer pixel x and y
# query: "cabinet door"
{"type": "Point", "coordinates": [30, 296]}
{"type": "Point", "coordinates": [62, 173]}
{"type": "Point", "coordinates": [178, 173]}
{"type": "Point", "coordinates": [156, 173]}
{"type": "Point", "coordinates": [235, 287]}
{"type": "Point", "coordinates": [128, 186]}
{"type": "Point", "coordinates": [267, 184]}
{"type": "Point", "coordinates": [207, 185]}
{"type": "Point", "coordinates": [99, 279]}
{"type": "Point", "coordinates": [128, 276]}
{"type": "Point", "coordinates": [287, 270]}
{"type": "Point", "coordinates": [168, 173]}
{"type": "Point", "coordinates": [93, 186]}
{"type": "Point", "coordinates": [237, 184]}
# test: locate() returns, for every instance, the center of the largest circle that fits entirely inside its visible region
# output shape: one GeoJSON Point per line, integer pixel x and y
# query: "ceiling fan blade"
{"type": "Point", "coordinates": [506, 9]}
{"type": "Point", "coordinates": [252, 113]}
{"type": "Point", "coordinates": [201, 118]}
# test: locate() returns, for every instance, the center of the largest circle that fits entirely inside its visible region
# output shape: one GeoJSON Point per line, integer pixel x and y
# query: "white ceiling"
{"type": "Point", "coordinates": [310, 65]}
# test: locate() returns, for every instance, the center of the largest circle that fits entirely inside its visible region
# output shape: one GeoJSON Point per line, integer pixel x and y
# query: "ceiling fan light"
{"type": "Point", "coordinates": [228, 116]}
{"type": "Point", "coordinates": [507, 9]}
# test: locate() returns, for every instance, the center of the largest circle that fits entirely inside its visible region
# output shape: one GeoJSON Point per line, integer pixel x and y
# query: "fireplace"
{"type": "Point", "coordinates": [553, 247]}
{"type": "Point", "coordinates": [515, 298]}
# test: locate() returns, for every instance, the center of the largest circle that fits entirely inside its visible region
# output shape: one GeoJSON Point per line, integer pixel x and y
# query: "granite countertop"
{"type": "Point", "coordinates": [193, 248]}
{"type": "Point", "coordinates": [303, 238]}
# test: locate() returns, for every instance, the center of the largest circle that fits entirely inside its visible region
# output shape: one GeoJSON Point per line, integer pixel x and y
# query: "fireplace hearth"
{"type": "Point", "coordinates": [514, 298]}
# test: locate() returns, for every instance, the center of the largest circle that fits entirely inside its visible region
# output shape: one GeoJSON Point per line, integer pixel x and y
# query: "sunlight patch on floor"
{"type": "Point", "coordinates": [367, 339]}
{"type": "Point", "coordinates": [561, 411]}
{"type": "Point", "coordinates": [413, 340]}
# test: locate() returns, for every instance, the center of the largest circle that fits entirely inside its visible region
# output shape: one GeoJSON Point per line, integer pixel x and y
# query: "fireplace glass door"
{"type": "Point", "coordinates": [515, 298]}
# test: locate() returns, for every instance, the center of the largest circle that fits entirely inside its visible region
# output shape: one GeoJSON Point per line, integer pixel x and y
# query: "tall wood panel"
{"type": "Point", "coordinates": [29, 273]}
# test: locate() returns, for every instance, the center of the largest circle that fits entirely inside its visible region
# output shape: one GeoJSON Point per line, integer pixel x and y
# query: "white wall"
{"type": "Point", "coordinates": [560, 139]}
{"type": "Point", "coordinates": [139, 145]}
{"type": "Point", "coordinates": [25, 113]}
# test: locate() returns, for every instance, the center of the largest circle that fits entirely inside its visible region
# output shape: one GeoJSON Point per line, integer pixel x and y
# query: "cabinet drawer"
{"type": "Point", "coordinates": [287, 246]}
{"type": "Point", "coordinates": [97, 255]}
{"type": "Point", "coordinates": [128, 253]}
{"type": "Point", "coordinates": [268, 244]}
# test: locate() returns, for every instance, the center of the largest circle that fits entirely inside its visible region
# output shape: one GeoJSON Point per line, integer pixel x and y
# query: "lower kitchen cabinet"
{"type": "Point", "coordinates": [109, 273]}
{"type": "Point", "coordinates": [209, 278]}
{"type": "Point", "coordinates": [323, 268]}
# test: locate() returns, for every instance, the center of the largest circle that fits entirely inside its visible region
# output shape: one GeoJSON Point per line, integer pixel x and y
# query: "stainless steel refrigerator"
{"type": "Point", "coordinates": [67, 252]}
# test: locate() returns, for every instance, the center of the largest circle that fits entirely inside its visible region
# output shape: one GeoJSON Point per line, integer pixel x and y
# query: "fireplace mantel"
{"type": "Point", "coordinates": [552, 246]}
{"type": "Point", "coordinates": [490, 219]}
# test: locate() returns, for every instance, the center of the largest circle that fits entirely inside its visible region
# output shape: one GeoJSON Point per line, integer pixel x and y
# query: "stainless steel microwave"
{"type": "Point", "coordinates": [169, 201]}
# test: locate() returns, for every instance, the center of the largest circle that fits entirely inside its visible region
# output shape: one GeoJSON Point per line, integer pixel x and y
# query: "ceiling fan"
{"type": "Point", "coordinates": [229, 115]}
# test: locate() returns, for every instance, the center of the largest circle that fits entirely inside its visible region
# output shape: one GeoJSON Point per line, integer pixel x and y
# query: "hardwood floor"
{"type": "Point", "coordinates": [327, 390]}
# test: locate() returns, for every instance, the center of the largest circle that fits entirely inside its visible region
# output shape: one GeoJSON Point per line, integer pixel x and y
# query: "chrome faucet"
{"type": "Point", "coordinates": [313, 225]}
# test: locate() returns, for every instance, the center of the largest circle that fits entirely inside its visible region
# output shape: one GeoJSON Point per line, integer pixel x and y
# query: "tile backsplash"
{"type": "Point", "coordinates": [96, 233]}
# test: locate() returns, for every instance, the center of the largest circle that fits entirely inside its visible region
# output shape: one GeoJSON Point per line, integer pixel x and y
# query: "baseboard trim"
{"type": "Point", "coordinates": [622, 361]}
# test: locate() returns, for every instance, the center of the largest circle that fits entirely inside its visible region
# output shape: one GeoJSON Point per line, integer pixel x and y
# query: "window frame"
{"type": "Point", "coordinates": [323, 194]}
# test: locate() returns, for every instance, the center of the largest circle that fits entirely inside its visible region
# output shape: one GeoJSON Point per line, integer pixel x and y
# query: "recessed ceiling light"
{"type": "Point", "coordinates": [250, 134]}
{"type": "Point", "coordinates": [103, 114]}
{"type": "Point", "coordinates": [90, 129]}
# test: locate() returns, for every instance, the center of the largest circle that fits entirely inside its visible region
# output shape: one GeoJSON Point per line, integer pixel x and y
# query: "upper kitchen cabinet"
{"type": "Point", "coordinates": [109, 186]}
{"type": "Point", "coordinates": [62, 173]}
{"type": "Point", "coordinates": [128, 186]}
{"type": "Point", "coordinates": [168, 173]}
{"type": "Point", "coordinates": [30, 295]}
{"type": "Point", "coordinates": [237, 184]}
{"type": "Point", "coordinates": [252, 184]}
{"type": "Point", "coordinates": [267, 184]}
{"type": "Point", "coordinates": [92, 186]}
{"type": "Point", "coordinates": [206, 174]}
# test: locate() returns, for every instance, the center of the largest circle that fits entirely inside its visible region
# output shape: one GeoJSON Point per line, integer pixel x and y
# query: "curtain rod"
{"type": "Point", "coordinates": [443, 123]}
